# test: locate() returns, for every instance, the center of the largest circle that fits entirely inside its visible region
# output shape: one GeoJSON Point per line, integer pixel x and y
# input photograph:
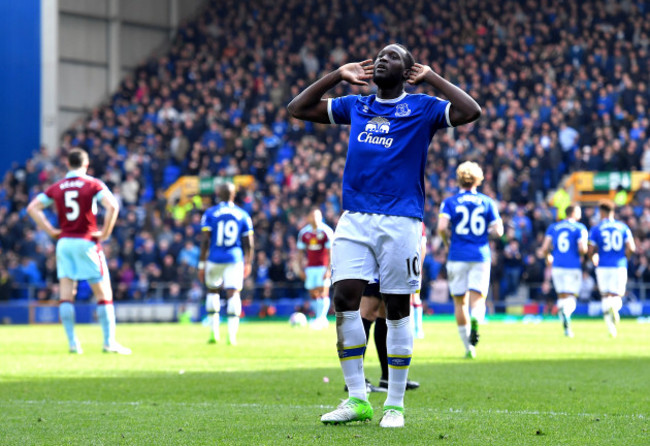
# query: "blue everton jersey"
{"type": "Point", "coordinates": [387, 150]}
{"type": "Point", "coordinates": [565, 235]}
{"type": "Point", "coordinates": [227, 224]}
{"type": "Point", "coordinates": [470, 214]}
{"type": "Point", "coordinates": [610, 236]}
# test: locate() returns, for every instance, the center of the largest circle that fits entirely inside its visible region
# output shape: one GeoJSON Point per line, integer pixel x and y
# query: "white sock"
{"type": "Point", "coordinates": [610, 322]}
{"type": "Point", "coordinates": [233, 310]}
{"type": "Point", "coordinates": [463, 332]}
{"type": "Point", "coordinates": [325, 307]}
{"type": "Point", "coordinates": [569, 306]}
{"type": "Point", "coordinates": [399, 346]}
{"type": "Point", "coordinates": [351, 344]}
{"type": "Point", "coordinates": [478, 312]}
{"type": "Point", "coordinates": [213, 306]}
{"type": "Point", "coordinates": [417, 319]}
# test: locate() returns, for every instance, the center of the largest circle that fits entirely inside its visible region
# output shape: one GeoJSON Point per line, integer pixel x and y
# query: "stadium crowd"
{"type": "Point", "coordinates": [563, 87]}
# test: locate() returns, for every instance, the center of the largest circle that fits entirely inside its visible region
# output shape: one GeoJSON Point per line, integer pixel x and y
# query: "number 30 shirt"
{"type": "Point", "coordinates": [610, 236]}
{"type": "Point", "coordinates": [565, 235]}
{"type": "Point", "coordinates": [470, 215]}
{"type": "Point", "coordinates": [227, 224]}
{"type": "Point", "coordinates": [75, 198]}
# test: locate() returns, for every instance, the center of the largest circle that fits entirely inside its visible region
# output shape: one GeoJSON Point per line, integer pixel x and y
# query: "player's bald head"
{"type": "Point", "coordinates": [226, 192]}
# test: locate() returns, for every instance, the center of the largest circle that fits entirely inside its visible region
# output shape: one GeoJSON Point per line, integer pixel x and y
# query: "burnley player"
{"type": "Point", "coordinates": [379, 233]}
{"type": "Point", "coordinates": [469, 217]}
{"type": "Point", "coordinates": [79, 254]}
{"type": "Point", "coordinates": [226, 258]}
{"type": "Point", "coordinates": [314, 243]}
{"type": "Point", "coordinates": [610, 242]}
{"type": "Point", "coordinates": [568, 241]}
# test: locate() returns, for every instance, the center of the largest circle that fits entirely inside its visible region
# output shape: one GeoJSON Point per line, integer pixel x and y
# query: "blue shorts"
{"type": "Point", "coordinates": [80, 259]}
{"type": "Point", "coordinates": [314, 277]}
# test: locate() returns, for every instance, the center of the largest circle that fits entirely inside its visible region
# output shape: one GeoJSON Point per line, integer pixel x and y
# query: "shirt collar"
{"type": "Point", "coordinates": [392, 101]}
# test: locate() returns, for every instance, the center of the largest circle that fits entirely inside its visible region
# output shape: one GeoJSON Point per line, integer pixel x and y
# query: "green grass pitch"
{"type": "Point", "coordinates": [528, 386]}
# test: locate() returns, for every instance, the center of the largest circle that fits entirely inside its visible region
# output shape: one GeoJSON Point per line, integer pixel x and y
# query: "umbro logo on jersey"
{"type": "Point", "coordinates": [374, 130]}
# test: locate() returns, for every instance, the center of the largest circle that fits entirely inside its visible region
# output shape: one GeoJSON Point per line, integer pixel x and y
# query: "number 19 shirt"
{"type": "Point", "coordinates": [227, 223]}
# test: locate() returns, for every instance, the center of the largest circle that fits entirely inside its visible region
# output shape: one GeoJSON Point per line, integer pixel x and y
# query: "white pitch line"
{"type": "Point", "coordinates": [321, 406]}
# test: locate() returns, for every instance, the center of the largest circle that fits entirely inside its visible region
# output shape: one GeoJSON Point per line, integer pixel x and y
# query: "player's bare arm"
{"type": "Point", "coordinates": [592, 253]}
{"type": "Point", "coordinates": [35, 210]}
{"type": "Point", "coordinates": [309, 105]}
{"type": "Point", "coordinates": [443, 229]}
{"type": "Point", "coordinates": [248, 246]}
{"type": "Point", "coordinates": [496, 228]}
{"type": "Point", "coordinates": [544, 251]}
{"type": "Point", "coordinates": [112, 209]}
{"type": "Point", "coordinates": [206, 236]}
{"type": "Point", "coordinates": [630, 247]}
{"type": "Point", "coordinates": [463, 108]}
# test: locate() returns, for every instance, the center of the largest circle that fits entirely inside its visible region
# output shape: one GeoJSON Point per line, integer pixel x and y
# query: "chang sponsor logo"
{"type": "Point", "coordinates": [375, 131]}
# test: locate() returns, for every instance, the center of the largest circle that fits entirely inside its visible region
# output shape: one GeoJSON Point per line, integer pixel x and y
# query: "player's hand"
{"type": "Point", "coordinates": [99, 236]}
{"type": "Point", "coordinates": [417, 73]}
{"type": "Point", "coordinates": [55, 233]}
{"type": "Point", "coordinates": [302, 275]}
{"type": "Point", "coordinates": [549, 259]}
{"type": "Point", "coordinates": [247, 269]}
{"type": "Point", "coordinates": [201, 274]}
{"type": "Point", "coordinates": [357, 73]}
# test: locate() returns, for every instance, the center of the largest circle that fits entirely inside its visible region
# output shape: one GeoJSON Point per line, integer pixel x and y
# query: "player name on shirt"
{"type": "Point", "coordinates": [71, 184]}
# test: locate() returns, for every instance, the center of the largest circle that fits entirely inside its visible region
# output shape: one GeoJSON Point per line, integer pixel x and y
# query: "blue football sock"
{"type": "Point", "coordinates": [66, 313]}
{"type": "Point", "coordinates": [106, 317]}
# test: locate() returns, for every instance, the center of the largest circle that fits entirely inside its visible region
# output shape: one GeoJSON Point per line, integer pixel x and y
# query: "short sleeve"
{"type": "Point", "coordinates": [592, 236]}
{"type": "Point", "coordinates": [443, 209]}
{"type": "Point", "coordinates": [493, 213]}
{"type": "Point", "coordinates": [437, 111]}
{"type": "Point", "coordinates": [339, 109]}
{"type": "Point", "coordinates": [205, 224]}
{"type": "Point", "coordinates": [44, 199]}
{"type": "Point", "coordinates": [248, 225]}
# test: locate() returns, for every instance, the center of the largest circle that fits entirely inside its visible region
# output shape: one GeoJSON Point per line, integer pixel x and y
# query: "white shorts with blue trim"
{"type": "Point", "coordinates": [230, 276]}
{"type": "Point", "coordinates": [612, 280]}
{"type": "Point", "coordinates": [566, 280]}
{"type": "Point", "coordinates": [468, 276]}
{"type": "Point", "coordinates": [80, 259]}
{"type": "Point", "coordinates": [371, 246]}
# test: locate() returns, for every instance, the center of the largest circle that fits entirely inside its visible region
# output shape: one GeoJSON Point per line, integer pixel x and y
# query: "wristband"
{"type": "Point", "coordinates": [201, 265]}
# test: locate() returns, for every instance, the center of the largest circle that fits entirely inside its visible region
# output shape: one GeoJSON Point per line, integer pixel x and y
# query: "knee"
{"type": "Point", "coordinates": [398, 306]}
{"type": "Point", "coordinates": [347, 296]}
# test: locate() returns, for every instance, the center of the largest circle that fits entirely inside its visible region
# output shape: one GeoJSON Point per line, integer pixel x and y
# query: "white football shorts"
{"type": "Point", "coordinates": [228, 275]}
{"type": "Point", "coordinates": [612, 280]}
{"type": "Point", "coordinates": [566, 280]}
{"type": "Point", "coordinates": [468, 276]}
{"type": "Point", "coordinates": [370, 246]}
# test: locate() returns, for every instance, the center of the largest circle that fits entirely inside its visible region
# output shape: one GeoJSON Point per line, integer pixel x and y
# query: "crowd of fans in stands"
{"type": "Point", "coordinates": [563, 87]}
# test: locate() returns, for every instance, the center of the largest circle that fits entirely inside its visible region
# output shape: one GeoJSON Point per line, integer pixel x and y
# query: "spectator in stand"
{"type": "Point", "coordinates": [210, 101]}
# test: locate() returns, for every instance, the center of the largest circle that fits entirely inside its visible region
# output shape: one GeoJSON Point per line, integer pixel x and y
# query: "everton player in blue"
{"type": "Point", "coordinates": [379, 233]}
{"type": "Point", "coordinates": [568, 241]}
{"type": "Point", "coordinates": [609, 244]}
{"type": "Point", "coordinates": [470, 217]}
{"type": "Point", "coordinates": [225, 259]}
